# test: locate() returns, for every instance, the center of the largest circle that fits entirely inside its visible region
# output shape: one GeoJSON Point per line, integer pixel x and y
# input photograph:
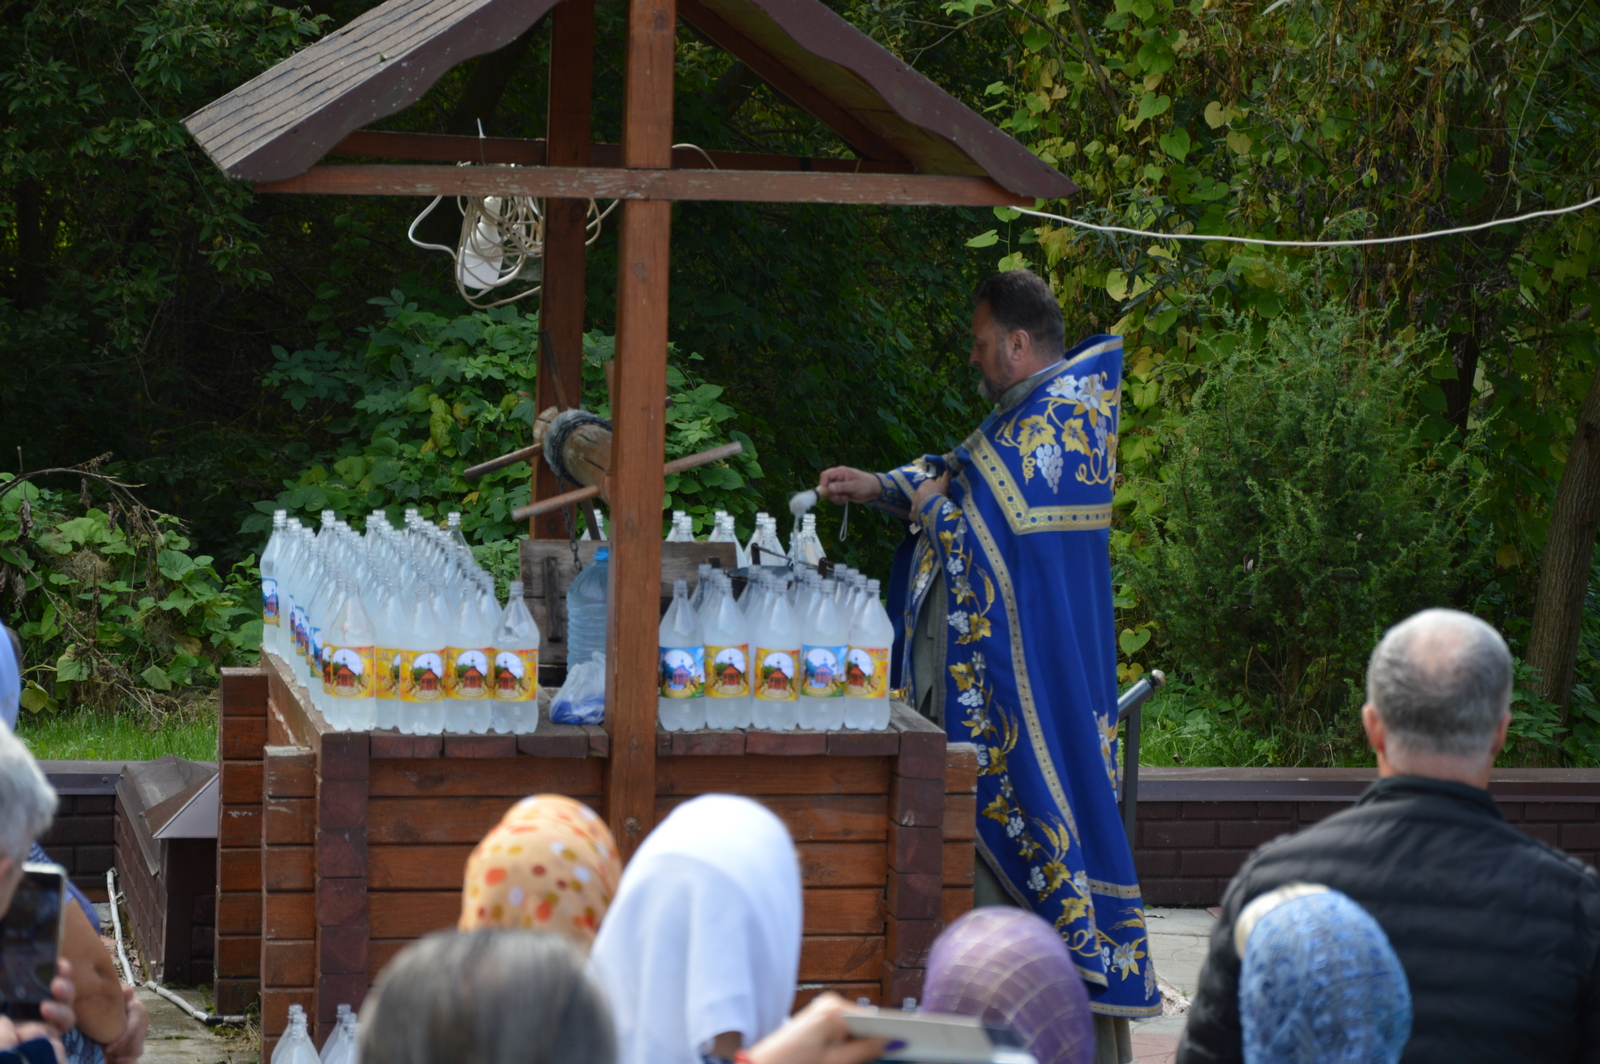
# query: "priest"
{"type": "Point", "coordinates": [1009, 640]}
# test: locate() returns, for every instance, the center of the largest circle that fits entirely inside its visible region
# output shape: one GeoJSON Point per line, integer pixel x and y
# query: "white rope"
{"type": "Point", "coordinates": [1362, 242]}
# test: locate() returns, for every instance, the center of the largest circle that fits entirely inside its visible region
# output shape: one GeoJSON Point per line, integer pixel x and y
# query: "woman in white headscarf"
{"type": "Point", "coordinates": [700, 950]}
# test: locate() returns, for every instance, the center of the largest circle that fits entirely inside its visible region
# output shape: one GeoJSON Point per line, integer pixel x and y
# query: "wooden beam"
{"type": "Point", "coordinates": [561, 298]}
{"type": "Point", "coordinates": [557, 182]}
{"type": "Point", "coordinates": [639, 446]}
{"type": "Point", "coordinates": [442, 148]}
{"type": "Point", "coordinates": [802, 92]}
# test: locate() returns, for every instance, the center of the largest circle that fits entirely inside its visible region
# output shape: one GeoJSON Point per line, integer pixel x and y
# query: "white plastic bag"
{"type": "Point", "coordinates": [582, 699]}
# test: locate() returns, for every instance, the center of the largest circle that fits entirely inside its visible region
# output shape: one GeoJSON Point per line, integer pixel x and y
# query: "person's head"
{"type": "Point", "coordinates": [702, 943]}
{"type": "Point", "coordinates": [1439, 697]}
{"type": "Point", "coordinates": [1017, 330]}
{"type": "Point", "coordinates": [487, 997]}
{"type": "Point", "coordinates": [1318, 981]}
{"type": "Point", "coordinates": [1008, 966]}
{"type": "Point", "coordinates": [27, 805]}
{"type": "Point", "coordinates": [549, 865]}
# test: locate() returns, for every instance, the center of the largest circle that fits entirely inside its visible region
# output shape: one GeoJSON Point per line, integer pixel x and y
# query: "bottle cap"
{"type": "Point", "coordinates": [602, 554]}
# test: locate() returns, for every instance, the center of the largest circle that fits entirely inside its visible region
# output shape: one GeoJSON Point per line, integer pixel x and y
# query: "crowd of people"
{"type": "Point", "coordinates": [1415, 926]}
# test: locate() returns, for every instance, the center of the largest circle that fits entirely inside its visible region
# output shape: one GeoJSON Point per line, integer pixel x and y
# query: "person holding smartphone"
{"type": "Point", "coordinates": [102, 1011]}
{"type": "Point", "coordinates": [27, 804]}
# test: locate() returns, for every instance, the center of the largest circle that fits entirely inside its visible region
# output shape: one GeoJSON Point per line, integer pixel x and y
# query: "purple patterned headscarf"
{"type": "Point", "coordinates": [1008, 966]}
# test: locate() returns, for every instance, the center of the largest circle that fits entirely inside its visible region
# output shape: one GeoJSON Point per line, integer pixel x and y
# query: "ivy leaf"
{"type": "Point", "coordinates": [1150, 106]}
{"type": "Point", "coordinates": [157, 677]}
{"type": "Point", "coordinates": [1176, 143]}
{"type": "Point", "coordinates": [983, 240]}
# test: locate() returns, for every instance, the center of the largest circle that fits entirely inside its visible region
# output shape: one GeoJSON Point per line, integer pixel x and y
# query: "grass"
{"type": "Point", "coordinates": [1189, 725]}
{"type": "Point", "coordinates": [97, 737]}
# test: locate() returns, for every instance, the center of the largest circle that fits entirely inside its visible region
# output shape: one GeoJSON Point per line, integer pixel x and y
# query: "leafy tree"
{"type": "Point", "coordinates": [1312, 121]}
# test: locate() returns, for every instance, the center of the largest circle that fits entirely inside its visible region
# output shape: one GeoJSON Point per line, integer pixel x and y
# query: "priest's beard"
{"type": "Point", "coordinates": [989, 392]}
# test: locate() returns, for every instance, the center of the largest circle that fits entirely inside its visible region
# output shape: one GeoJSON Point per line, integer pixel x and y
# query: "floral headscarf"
{"type": "Point", "coordinates": [549, 865]}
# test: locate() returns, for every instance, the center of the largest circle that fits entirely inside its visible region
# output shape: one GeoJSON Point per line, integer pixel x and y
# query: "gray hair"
{"type": "Point", "coordinates": [487, 997]}
{"type": "Point", "coordinates": [1441, 683]}
{"type": "Point", "coordinates": [27, 801]}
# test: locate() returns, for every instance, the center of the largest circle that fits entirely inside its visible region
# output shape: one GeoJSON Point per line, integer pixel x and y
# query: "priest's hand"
{"type": "Point", "coordinates": [938, 486]}
{"type": "Point", "coordinates": [843, 484]}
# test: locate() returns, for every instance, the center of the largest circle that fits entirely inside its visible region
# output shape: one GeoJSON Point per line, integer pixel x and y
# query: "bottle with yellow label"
{"type": "Point", "coordinates": [515, 669]}
{"type": "Point", "coordinates": [866, 673]}
{"type": "Point", "coordinates": [727, 658]}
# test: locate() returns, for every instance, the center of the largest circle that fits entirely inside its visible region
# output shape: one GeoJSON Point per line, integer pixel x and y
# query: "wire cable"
{"type": "Point", "coordinates": [1356, 243]}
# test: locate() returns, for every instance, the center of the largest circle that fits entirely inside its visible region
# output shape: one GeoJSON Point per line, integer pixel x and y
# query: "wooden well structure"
{"type": "Point", "coordinates": [335, 849]}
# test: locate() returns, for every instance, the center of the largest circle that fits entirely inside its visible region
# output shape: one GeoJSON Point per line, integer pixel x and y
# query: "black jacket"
{"type": "Point", "coordinates": [1499, 933]}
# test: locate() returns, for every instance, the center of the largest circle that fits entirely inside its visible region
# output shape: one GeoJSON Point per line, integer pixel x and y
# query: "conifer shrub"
{"type": "Point", "coordinates": [1303, 511]}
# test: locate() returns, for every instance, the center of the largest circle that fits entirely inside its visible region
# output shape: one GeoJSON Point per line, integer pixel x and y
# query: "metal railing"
{"type": "Point", "coordinates": [1128, 709]}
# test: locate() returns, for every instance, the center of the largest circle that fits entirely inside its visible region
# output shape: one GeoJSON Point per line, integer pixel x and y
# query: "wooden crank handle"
{"type": "Point", "coordinates": [524, 454]}
{"type": "Point", "coordinates": [677, 465]}
{"type": "Point", "coordinates": [693, 461]}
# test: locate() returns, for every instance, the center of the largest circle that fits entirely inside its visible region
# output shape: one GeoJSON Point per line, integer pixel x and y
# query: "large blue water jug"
{"type": "Point", "coordinates": [586, 610]}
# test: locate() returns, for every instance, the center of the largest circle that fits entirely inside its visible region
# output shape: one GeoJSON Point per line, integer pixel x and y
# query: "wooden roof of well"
{"type": "Point", "coordinates": [278, 125]}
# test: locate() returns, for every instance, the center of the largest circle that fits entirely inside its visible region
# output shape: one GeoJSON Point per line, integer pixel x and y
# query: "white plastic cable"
{"type": "Point", "coordinates": [207, 1018]}
{"type": "Point", "coordinates": [1361, 242]}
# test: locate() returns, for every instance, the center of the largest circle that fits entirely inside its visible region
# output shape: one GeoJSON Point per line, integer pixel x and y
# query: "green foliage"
{"type": "Point", "coordinates": [115, 613]}
{"type": "Point", "coordinates": [401, 409]}
{"type": "Point", "coordinates": [1301, 513]}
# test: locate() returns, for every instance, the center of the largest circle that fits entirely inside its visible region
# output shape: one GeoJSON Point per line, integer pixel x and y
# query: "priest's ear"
{"type": "Point", "coordinates": [1018, 346]}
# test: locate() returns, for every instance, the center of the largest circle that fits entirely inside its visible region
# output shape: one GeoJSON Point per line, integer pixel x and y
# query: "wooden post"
{"type": "Point", "coordinates": [561, 300]}
{"type": "Point", "coordinates": [640, 443]}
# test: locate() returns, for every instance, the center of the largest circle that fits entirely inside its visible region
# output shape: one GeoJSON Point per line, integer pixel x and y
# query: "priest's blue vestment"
{"type": "Point", "coordinates": [1028, 662]}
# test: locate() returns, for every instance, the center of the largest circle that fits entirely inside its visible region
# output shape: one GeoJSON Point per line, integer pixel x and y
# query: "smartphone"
{"type": "Point", "coordinates": [938, 1038]}
{"type": "Point", "coordinates": [30, 940]}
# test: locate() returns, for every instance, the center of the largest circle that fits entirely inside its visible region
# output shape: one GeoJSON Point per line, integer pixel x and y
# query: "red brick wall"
{"type": "Point", "coordinates": [1196, 826]}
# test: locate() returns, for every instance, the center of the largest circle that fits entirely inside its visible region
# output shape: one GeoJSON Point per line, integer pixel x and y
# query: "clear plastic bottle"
{"type": "Point", "coordinates": [347, 1049]}
{"type": "Point", "coordinates": [467, 653]}
{"type": "Point", "coordinates": [824, 640]}
{"type": "Point", "coordinates": [295, 1047]}
{"type": "Point", "coordinates": [682, 702]}
{"type": "Point", "coordinates": [866, 703]}
{"type": "Point", "coordinates": [586, 610]}
{"type": "Point", "coordinates": [422, 648]}
{"type": "Point", "coordinates": [702, 585]}
{"type": "Point", "coordinates": [516, 667]}
{"type": "Point", "coordinates": [270, 599]}
{"type": "Point", "coordinates": [727, 636]}
{"type": "Point", "coordinates": [775, 668]}
{"type": "Point", "coordinates": [351, 672]}
{"type": "Point", "coordinates": [388, 622]}
{"type": "Point", "coordinates": [336, 1040]}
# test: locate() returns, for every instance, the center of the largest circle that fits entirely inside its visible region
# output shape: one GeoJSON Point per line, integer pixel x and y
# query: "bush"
{"type": "Point", "coordinates": [394, 416]}
{"type": "Point", "coordinates": [1302, 512]}
{"type": "Point", "coordinates": [114, 612]}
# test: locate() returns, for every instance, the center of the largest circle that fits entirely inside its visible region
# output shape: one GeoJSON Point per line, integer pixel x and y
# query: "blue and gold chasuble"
{"type": "Point", "coordinates": [1023, 540]}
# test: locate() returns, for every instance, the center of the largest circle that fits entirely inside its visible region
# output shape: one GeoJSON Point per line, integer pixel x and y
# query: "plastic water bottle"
{"type": "Point", "coordinates": [586, 610]}
{"type": "Point", "coordinates": [775, 672]}
{"type": "Point", "coordinates": [726, 633]}
{"type": "Point", "coordinates": [336, 1040]}
{"type": "Point", "coordinates": [422, 649]}
{"type": "Point", "coordinates": [682, 703]}
{"type": "Point", "coordinates": [824, 640]}
{"type": "Point", "coordinates": [467, 667]}
{"type": "Point", "coordinates": [295, 1047]}
{"type": "Point", "coordinates": [388, 622]}
{"type": "Point", "coordinates": [702, 585]}
{"type": "Point", "coordinates": [516, 668]}
{"type": "Point", "coordinates": [866, 704]}
{"type": "Point", "coordinates": [269, 579]}
{"type": "Point", "coordinates": [345, 1040]}
{"type": "Point", "coordinates": [351, 673]}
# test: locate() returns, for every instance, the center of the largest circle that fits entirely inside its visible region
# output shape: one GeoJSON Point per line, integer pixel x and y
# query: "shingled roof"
{"type": "Point", "coordinates": [278, 125]}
